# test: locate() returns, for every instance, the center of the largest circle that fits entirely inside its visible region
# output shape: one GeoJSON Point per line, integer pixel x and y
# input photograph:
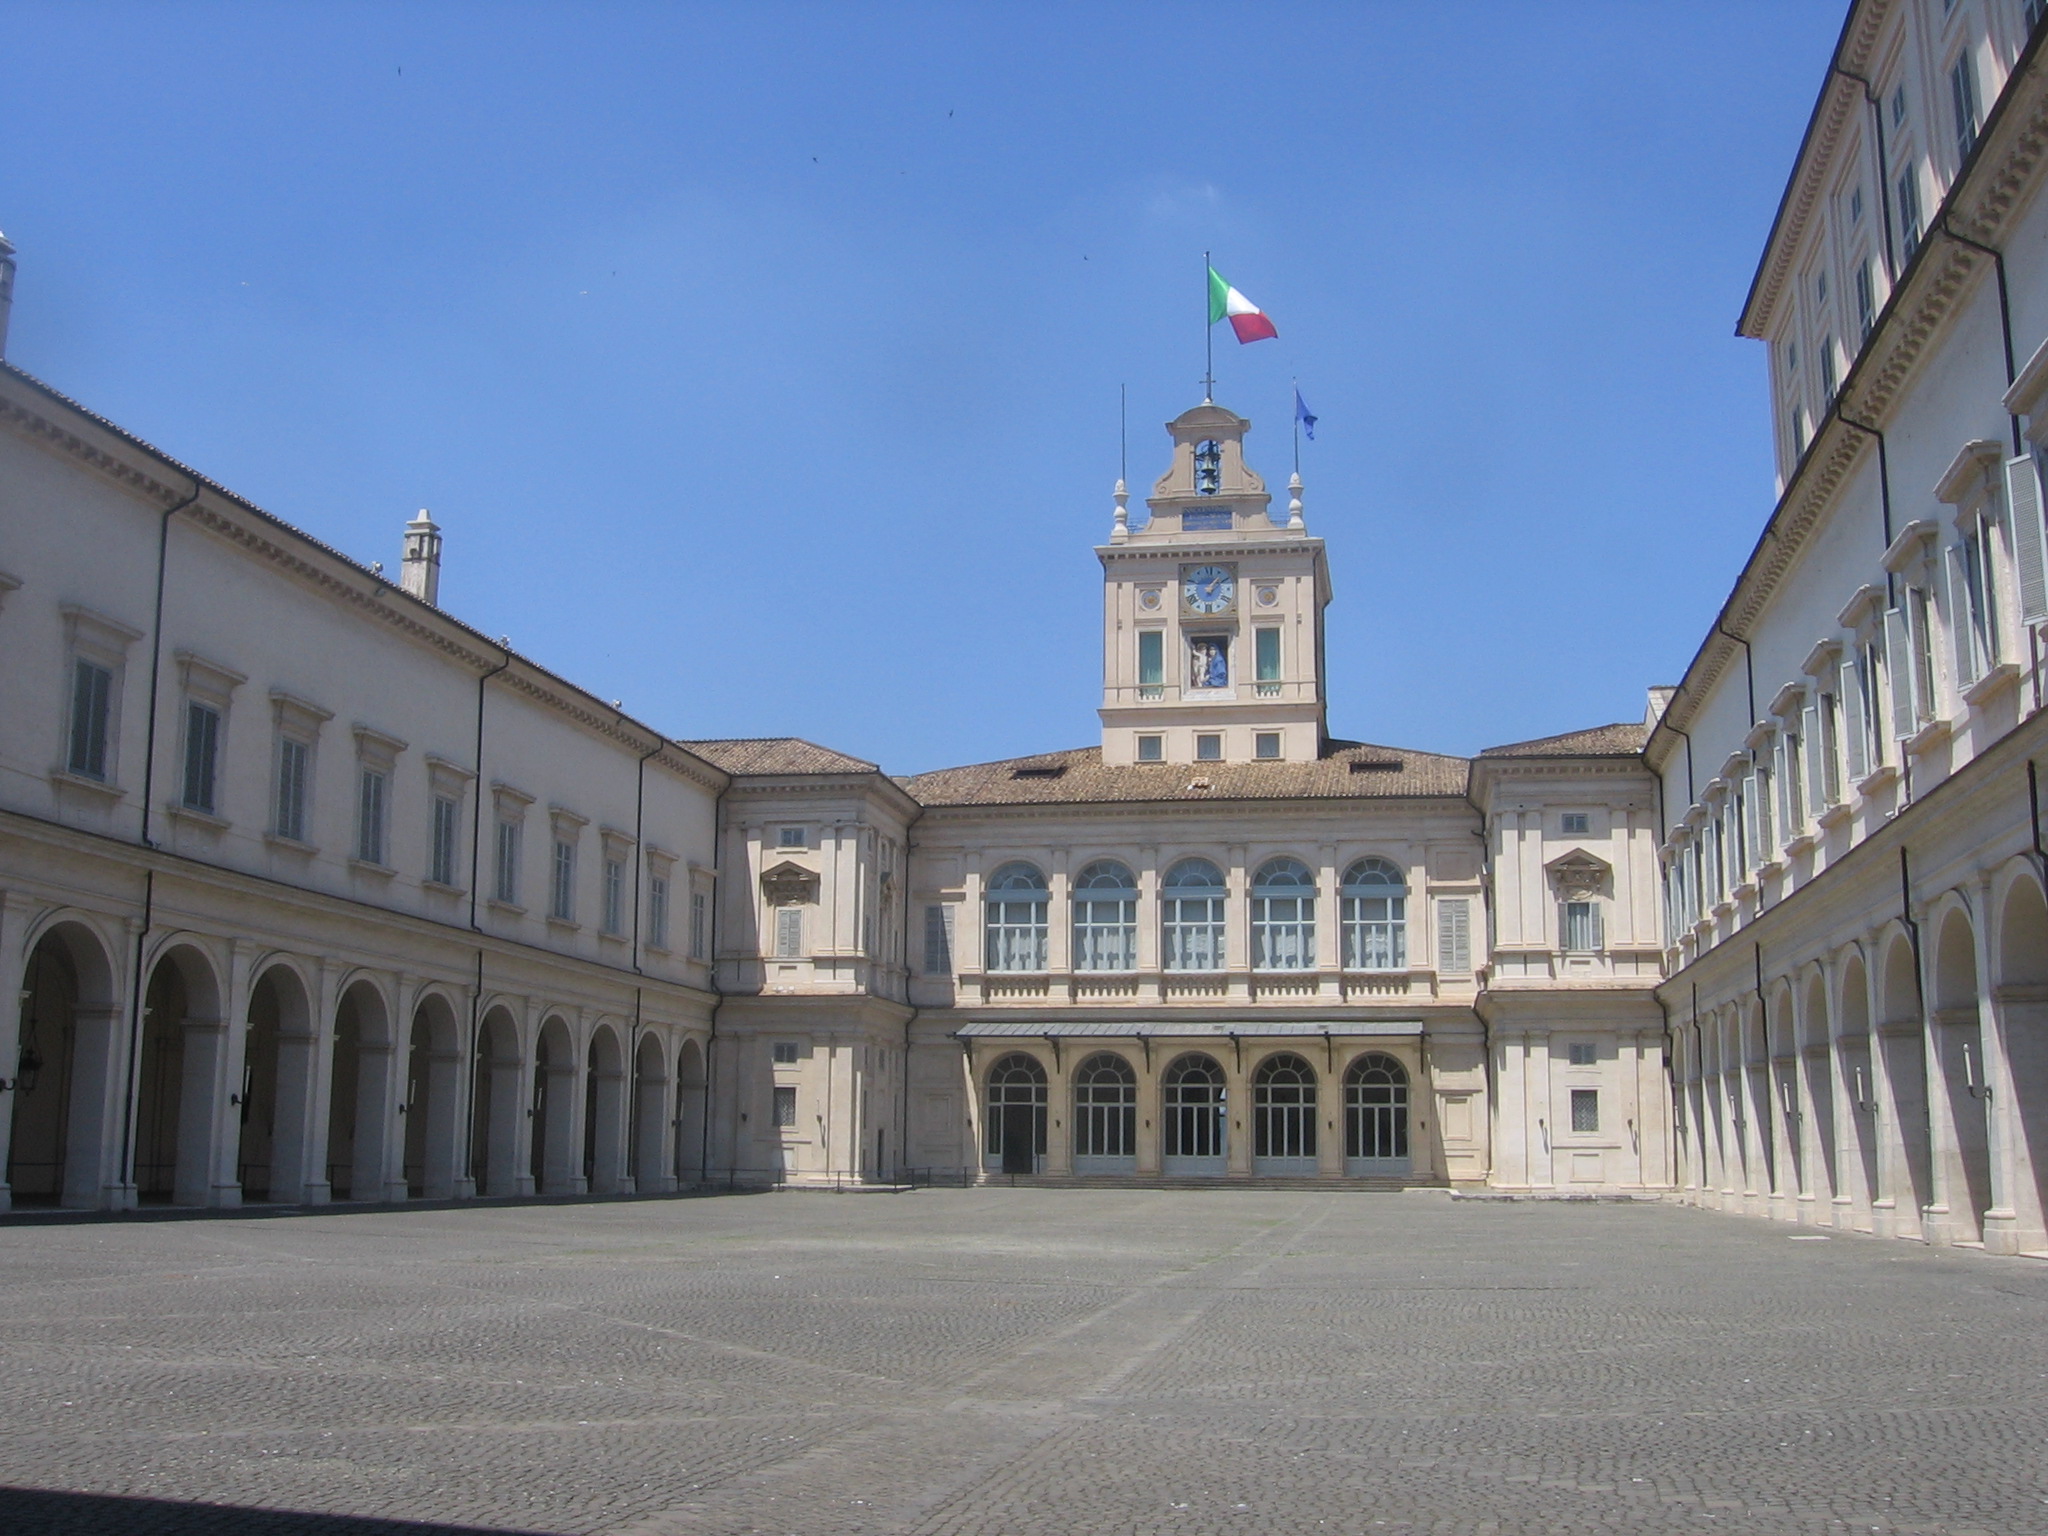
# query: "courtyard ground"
{"type": "Point", "coordinates": [1020, 1361]}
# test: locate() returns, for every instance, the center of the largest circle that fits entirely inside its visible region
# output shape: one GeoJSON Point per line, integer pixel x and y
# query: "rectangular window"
{"type": "Point", "coordinates": [1151, 663]}
{"type": "Point", "coordinates": [1962, 92]}
{"type": "Point", "coordinates": [1581, 926]}
{"type": "Point", "coordinates": [1582, 1053]}
{"type": "Point", "coordinates": [1208, 749]}
{"type": "Point", "coordinates": [657, 912]}
{"type": "Point", "coordinates": [787, 1053]}
{"type": "Point", "coordinates": [1266, 659]}
{"type": "Point", "coordinates": [789, 932]}
{"type": "Point", "coordinates": [938, 940]}
{"type": "Point", "coordinates": [1899, 105]}
{"type": "Point", "coordinates": [1454, 936]}
{"type": "Point", "coordinates": [614, 895]}
{"type": "Point", "coordinates": [370, 815]}
{"type": "Point", "coordinates": [294, 771]}
{"type": "Point", "coordinates": [1266, 744]}
{"type": "Point", "coordinates": [202, 755]}
{"type": "Point", "coordinates": [1798, 430]}
{"type": "Point", "coordinates": [792, 837]}
{"type": "Point", "coordinates": [700, 922]}
{"type": "Point", "coordinates": [562, 882]}
{"type": "Point", "coordinates": [1909, 210]}
{"type": "Point", "coordinates": [1575, 824]}
{"type": "Point", "coordinates": [1828, 382]}
{"type": "Point", "coordinates": [507, 886]}
{"type": "Point", "coordinates": [1829, 749]}
{"type": "Point", "coordinates": [1151, 749]}
{"type": "Point", "coordinates": [1585, 1110]}
{"type": "Point", "coordinates": [445, 840]}
{"type": "Point", "coordinates": [92, 699]}
{"type": "Point", "coordinates": [785, 1108]}
{"type": "Point", "coordinates": [1866, 301]}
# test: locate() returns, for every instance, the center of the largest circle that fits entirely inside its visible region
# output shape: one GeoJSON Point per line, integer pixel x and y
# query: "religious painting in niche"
{"type": "Point", "coordinates": [1209, 661]}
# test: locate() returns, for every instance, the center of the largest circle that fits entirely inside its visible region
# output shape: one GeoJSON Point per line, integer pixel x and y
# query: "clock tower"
{"type": "Point", "coordinates": [1212, 612]}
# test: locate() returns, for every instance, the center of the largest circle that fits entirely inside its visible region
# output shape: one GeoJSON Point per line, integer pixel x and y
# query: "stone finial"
{"type": "Point", "coordinates": [420, 571]}
{"type": "Point", "coordinates": [1294, 501]}
{"type": "Point", "coordinates": [1121, 530]}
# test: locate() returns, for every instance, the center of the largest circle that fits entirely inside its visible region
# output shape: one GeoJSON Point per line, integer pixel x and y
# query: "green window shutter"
{"type": "Point", "coordinates": [1855, 728]}
{"type": "Point", "coordinates": [2029, 539]}
{"type": "Point", "coordinates": [1151, 658]}
{"type": "Point", "coordinates": [1898, 653]}
{"type": "Point", "coordinates": [1268, 655]}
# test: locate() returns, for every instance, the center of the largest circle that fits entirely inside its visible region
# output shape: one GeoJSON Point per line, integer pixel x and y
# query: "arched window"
{"type": "Point", "coordinates": [1375, 917]}
{"type": "Point", "coordinates": [1016, 905]}
{"type": "Point", "coordinates": [1105, 1108]}
{"type": "Point", "coordinates": [1191, 916]}
{"type": "Point", "coordinates": [1376, 1114]}
{"type": "Point", "coordinates": [1016, 1112]}
{"type": "Point", "coordinates": [1284, 916]}
{"type": "Point", "coordinates": [1284, 1109]}
{"type": "Point", "coordinates": [1105, 918]}
{"type": "Point", "coordinates": [1192, 1098]}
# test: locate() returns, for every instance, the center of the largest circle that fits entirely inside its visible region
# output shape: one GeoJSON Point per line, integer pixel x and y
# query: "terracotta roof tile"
{"type": "Point", "coordinates": [1347, 770]}
{"type": "Point", "coordinates": [777, 754]}
{"type": "Point", "coordinates": [1624, 739]}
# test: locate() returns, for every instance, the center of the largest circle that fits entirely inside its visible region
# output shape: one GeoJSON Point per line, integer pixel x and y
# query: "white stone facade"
{"type": "Point", "coordinates": [315, 893]}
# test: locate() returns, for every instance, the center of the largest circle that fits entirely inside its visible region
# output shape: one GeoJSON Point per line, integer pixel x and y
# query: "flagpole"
{"type": "Point", "coordinates": [1296, 413]}
{"type": "Point", "coordinates": [1208, 338]}
{"type": "Point", "coordinates": [1123, 434]}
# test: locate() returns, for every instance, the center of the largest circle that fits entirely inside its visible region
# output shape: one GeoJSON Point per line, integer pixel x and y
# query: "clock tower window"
{"type": "Point", "coordinates": [1266, 662]}
{"type": "Point", "coordinates": [1151, 664]}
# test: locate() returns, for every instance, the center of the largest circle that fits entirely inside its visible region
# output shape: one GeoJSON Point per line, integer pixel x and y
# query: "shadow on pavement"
{"type": "Point", "coordinates": [37, 1512]}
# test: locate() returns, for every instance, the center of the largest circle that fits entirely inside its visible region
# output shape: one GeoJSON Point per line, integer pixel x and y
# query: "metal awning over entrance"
{"type": "Point", "coordinates": [1191, 1029]}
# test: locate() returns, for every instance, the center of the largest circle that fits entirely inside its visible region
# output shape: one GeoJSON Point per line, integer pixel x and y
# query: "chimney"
{"type": "Point", "coordinates": [421, 568]}
{"type": "Point", "coordinates": [6, 288]}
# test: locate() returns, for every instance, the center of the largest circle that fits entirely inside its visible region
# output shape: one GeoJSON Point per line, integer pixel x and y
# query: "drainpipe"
{"type": "Point", "coordinates": [476, 997]}
{"type": "Point", "coordinates": [2034, 821]}
{"type": "Point", "coordinates": [156, 657]}
{"type": "Point", "coordinates": [639, 837]}
{"type": "Point", "coordinates": [1748, 666]}
{"type": "Point", "coordinates": [1884, 479]}
{"type": "Point", "coordinates": [1763, 1022]}
{"type": "Point", "coordinates": [903, 1073]}
{"type": "Point", "coordinates": [1913, 933]}
{"type": "Point", "coordinates": [718, 991]}
{"type": "Point", "coordinates": [1884, 171]}
{"type": "Point", "coordinates": [2004, 310]}
{"type": "Point", "coordinates": [126, 1170]}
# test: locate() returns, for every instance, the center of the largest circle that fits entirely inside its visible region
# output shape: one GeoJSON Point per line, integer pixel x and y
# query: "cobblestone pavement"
{"type": "Point", "coordinates": [1017, 1361]}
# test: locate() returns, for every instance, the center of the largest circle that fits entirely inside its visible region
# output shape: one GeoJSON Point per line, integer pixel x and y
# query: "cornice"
{"type": "Point", "coordinates": [1841, 97]}
{"type": "Point", "coordinates": [1296, 805]}
{"type": "Point", "coordinates": [327, 571]}
{"type": "Point", "coordinates": [2008, 160]}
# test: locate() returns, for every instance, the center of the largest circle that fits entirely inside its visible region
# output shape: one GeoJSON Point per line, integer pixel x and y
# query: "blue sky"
{"type": "Point", "coordinates": [760, 362]}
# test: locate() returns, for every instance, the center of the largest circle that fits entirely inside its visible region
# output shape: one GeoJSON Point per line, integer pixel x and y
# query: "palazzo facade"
{"type": "Point", "coordinates": [312, 892]}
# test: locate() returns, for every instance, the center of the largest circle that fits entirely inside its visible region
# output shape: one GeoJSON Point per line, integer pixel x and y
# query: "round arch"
{"type": "Point", "coordinates": [429, 1109]}
{"type": "Point", "coordinates": [647, 1152]}
{"type": "Point", "coordinates": [496, 1122]}
{"type": "Point", "coordinates": [553, 1159]}
{"type": "Point", "coordinates": [1957, 1030]}
{"type": "Point", "coordinates": [361, 1093]}
{"type": "Point", "coordinates": [1284, 1091]}
{"type": "Point", "coordinates": [692, 1091]}
{"type": "Point", "coordinates": [604, 1112]}
{"type": "Point", "coordinates": [1194, 1107]}
{"type": "Point", "coordinates": [274, 1157]}
{"type": "Point", "coordinates": [1105, 1115]}
{"type": "Point", "coordinates": [63, 1111]}
{"type": "Point", "coordinates": [1015, 1119]}
{"type": "Point", "coordinates": [179, 1080]}
{"type": "Point", "coordinates": [1376, 1116]}
{"type": "Point", "coordinates": [2020, 980]}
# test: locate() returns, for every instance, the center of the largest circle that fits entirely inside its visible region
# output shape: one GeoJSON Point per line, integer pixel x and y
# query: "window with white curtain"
{"type": "Point", "coordinates": [1015, 907]}
{"type": "Point", "coordinates": [1105, 918]}
{"type": "Point", "coordinates": [1191, 902]}
{"type": "Point", "coordinates": [1284, 916]}
{"type": "Point", "coordinates": [1375, 897]}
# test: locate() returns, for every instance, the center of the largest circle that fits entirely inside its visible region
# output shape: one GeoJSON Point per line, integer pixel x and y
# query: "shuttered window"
{"type": "Point", "coordinates": [1856, 717]}
{"type": "Point", "coordinates": [2029, 537]}
{"type": "Point", "coordinates": [294, 773]}
{"type": "Point", "coordinates": [938, 939]}
{"type": "Point", "coordinates": [699, 925]}
{"type": "Point", "coordinates": [1581, 926]}
{"type": "Point", "coordinates": [506, 886]}
{"type": "Point", "coordinates": [789, 932]}
{"type": "Point", "coordinates": [657, 912]}
{"type": "Point", "coordinates": [92, 695]}
{"type": "Point", "coordinates": [441, 865]}
{"type": "Point", "coordinates": [371, 801]}
{"type": "Point", "coordinates": [1454, 935]}
{"type": "Point", "coordinates": [202, 755]}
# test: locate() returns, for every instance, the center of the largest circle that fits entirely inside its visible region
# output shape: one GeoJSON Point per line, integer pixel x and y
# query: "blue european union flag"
{"type": "Point", "coordinates": [1305, 416]}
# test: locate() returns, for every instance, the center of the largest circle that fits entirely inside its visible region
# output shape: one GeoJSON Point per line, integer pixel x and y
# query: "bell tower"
{"type": "Point", "coordinates": [1212, 612]}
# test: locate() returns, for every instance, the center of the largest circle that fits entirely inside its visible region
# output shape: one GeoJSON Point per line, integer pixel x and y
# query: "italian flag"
{"type": "Point", "coordinates": [1245, 317]}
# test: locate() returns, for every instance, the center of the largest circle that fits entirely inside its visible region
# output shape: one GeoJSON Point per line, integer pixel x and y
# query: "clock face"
{"type": "Point", "coordinates": [1209, 589]}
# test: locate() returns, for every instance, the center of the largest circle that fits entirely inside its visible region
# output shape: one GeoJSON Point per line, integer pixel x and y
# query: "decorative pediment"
{"type": "Point", "coordinates": [1578, 875]}
{"type": "Point", "coordinates": [789, 884]}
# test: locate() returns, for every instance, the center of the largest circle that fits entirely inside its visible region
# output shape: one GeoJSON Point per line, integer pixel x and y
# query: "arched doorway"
{"type": "Point", "coordinates": [358, 1100]}
{"type": "Point", "coordinates": [1105, 1115]}
{"type": "Point", "coordinates": [1959, 1046]}
{"type": "Point", "coordinates": [178, 1080]}
{"type": "Point", "coordinates": [1284, 1116]}
{"type": "Point", "coordinates": [649, 1158]}
{"type": "Point", "coordinates": [689, 1116]}
{"type": "Point", "coordinates": [496, 1108]}
{"type": "Point", "coordinates": [433, 1069]}
{"type": "Point", "coordinates": [553, 1158]}
{"type": "Point", "coordinates": [1016, 1114]}
{"type": "Point", "coordinates": [1907, 1180]}
{"type": "Point", "coordinates": [604, 1114]}
{"type": "Point", "coordinates": [276, 1083]}
{"type": "Point", "coordinates": [1788, 1120]}
{"type": "Point", "coordinates": [1192, 1097]}
{"type": "Point", "coordinates": [58, 1150]}
{"type": "Point", "coordinates": [1376, 1117]}
{"type": "Point", "coordinates": [1761, 1108]}
{"type": "Point", "coordinates": [1859, 1084]}
{"type": "Point", "coordinates": [2022, 976]}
